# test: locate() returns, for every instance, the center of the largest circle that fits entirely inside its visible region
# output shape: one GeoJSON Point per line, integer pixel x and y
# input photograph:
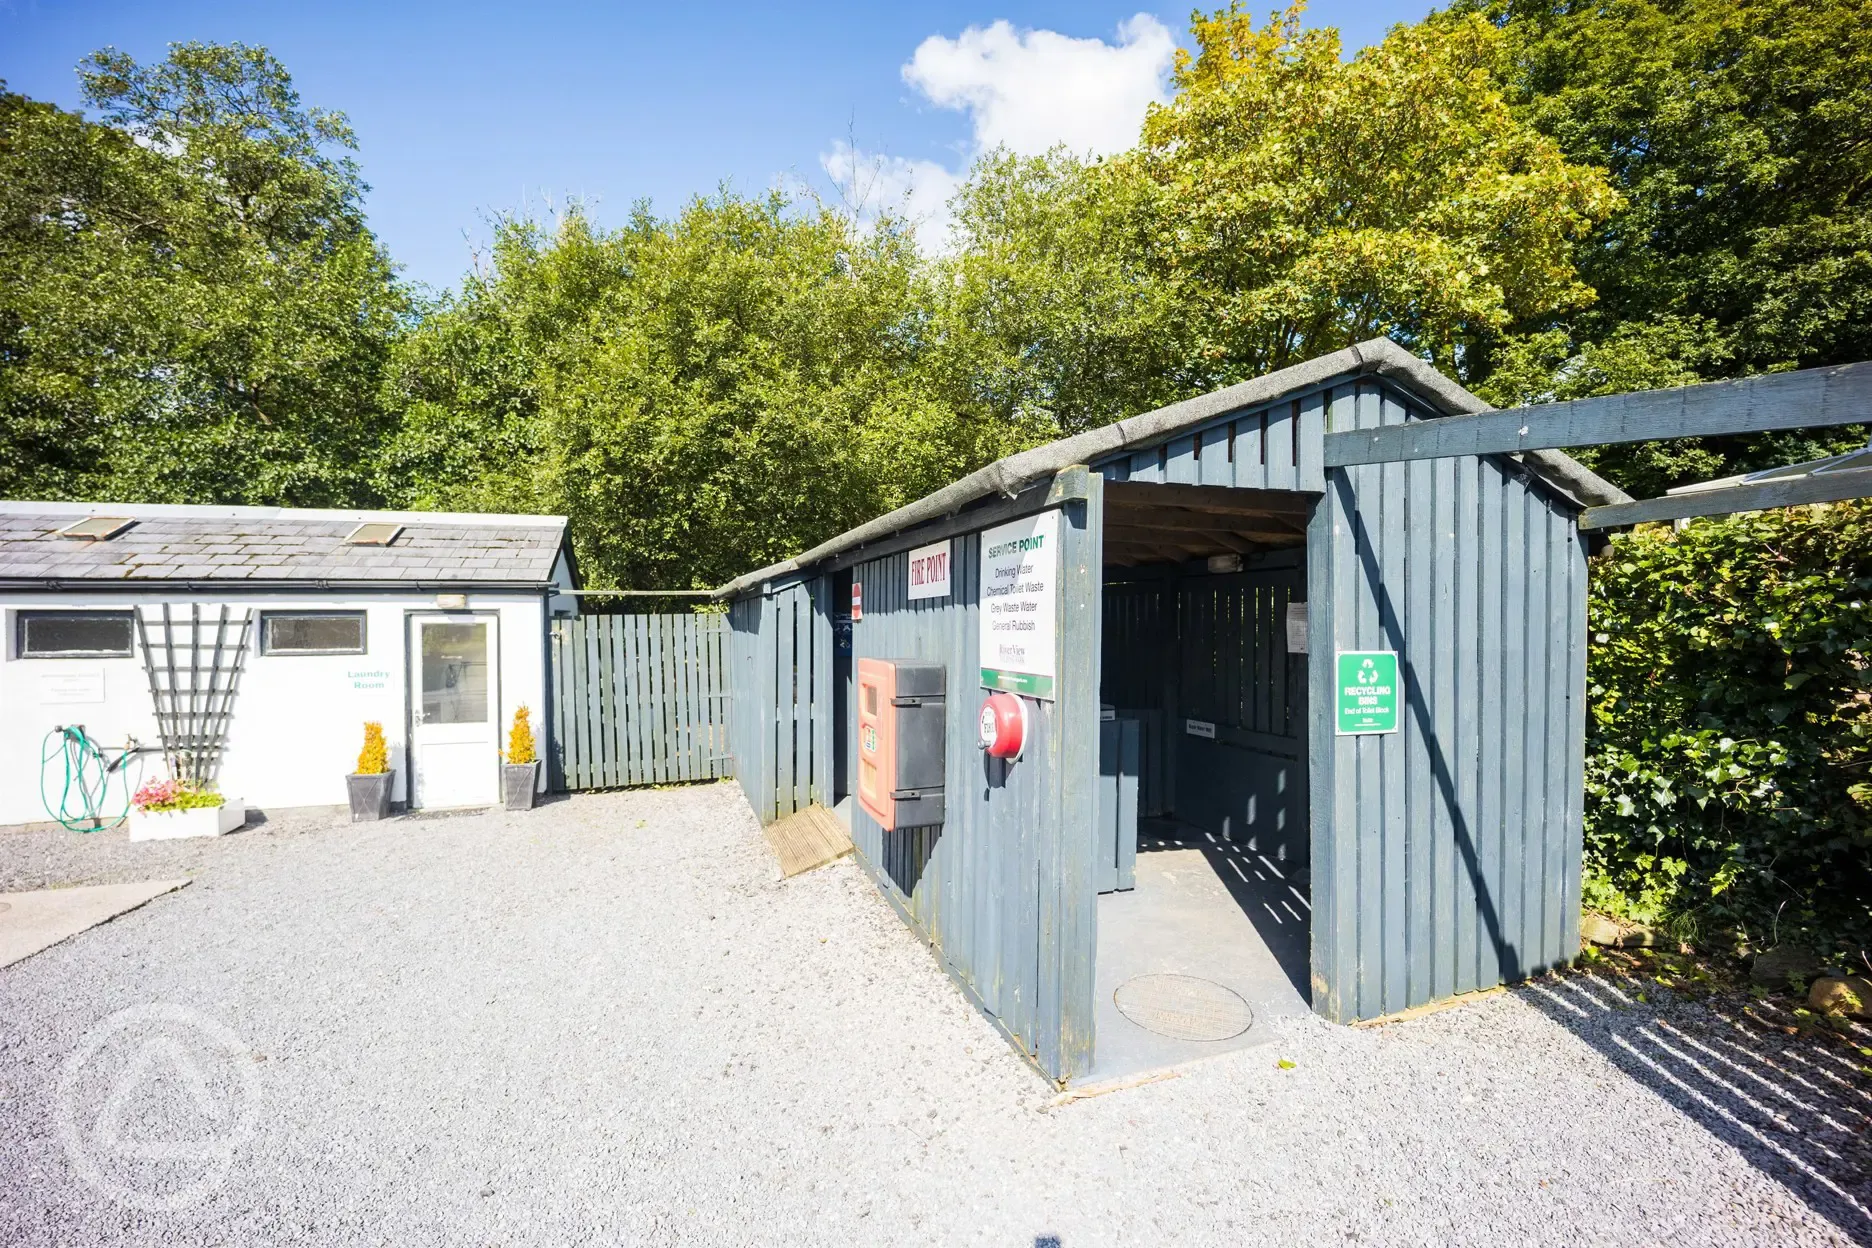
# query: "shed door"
{"type": "Point", "coordinates": [454, 708]}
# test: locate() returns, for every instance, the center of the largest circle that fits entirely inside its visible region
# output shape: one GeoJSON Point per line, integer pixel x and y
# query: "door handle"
{"type": "Point", "coordinates": [416, 717]}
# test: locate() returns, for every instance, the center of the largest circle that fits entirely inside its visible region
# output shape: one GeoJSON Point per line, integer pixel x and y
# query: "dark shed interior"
{"type": "Point", "coordinates": [1207, 720]}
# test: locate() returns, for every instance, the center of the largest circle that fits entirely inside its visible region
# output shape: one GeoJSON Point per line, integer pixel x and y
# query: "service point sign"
{"type": "Point", "coordinates": [929, 571]}
{"type": "Point", "coordinates": [1367, 692]}
{"type": "Point", "coordinates": [1019, 595]}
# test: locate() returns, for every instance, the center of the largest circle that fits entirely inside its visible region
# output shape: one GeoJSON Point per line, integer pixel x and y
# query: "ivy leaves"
{"type": "Point", "coordinates": [1729, 765]}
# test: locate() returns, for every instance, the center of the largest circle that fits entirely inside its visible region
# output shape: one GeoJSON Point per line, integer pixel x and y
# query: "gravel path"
{"type": "Point", "coordinates": [606, 1020]}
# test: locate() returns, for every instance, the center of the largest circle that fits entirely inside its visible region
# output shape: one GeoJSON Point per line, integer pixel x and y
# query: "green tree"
{"type": "Point", "coordinates": [1312, 201]}
{"type": "Point", "coordinates": [1285, 203]}
{"type": "Point", "coordinates": [1740, 138]}
{"type": "Point", "coordinates": [191, 307]}
{"type": "Point", "coordinates": [1053, 308]}
{"type": "Point", "coordinates": [702, 395]}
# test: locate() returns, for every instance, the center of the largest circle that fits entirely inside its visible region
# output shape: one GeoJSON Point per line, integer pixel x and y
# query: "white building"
{"type": "Point", "coordinates": [433, 624]}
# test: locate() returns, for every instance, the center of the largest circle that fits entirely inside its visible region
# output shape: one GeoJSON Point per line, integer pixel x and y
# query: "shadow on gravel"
{"type": "Point", "coordinates": [1795, 1106]}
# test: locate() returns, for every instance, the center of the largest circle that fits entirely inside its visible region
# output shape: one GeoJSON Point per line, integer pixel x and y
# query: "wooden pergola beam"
{"type": "Point", "coordinates": [1825, 487]}
{"type": "Point", "coordinates": [1809, 399]}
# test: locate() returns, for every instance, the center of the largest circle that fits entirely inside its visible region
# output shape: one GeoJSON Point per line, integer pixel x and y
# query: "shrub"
{"type": "Point", "coordinates": [520, 740]}
{"type": "Point", "coordinates": [374, 758]}
{"type": "Point", "coordinates": [164, 795]}
{"type": "Point", "coordinates": [1729, 729]}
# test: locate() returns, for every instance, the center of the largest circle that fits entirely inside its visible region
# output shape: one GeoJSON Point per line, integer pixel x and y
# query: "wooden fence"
{"type": "Point", "coordinates": [639, 699]}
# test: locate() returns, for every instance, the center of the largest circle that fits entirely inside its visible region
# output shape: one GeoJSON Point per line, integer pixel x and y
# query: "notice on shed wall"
{"type": "Point", "coordinates": [71, 686]}
{"type": "Point", "coordinates": [929, 571]}
{"type": "Point", "coordinates": [1367, 692]}
{"type": "Point", "coordinates": [1296, 628]}
{"type": "Point", "coordinates": [1019, 597]}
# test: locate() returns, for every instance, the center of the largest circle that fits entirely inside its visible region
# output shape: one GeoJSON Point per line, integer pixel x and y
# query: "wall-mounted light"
{"type": "Point", "coordinates": [1220, 564]}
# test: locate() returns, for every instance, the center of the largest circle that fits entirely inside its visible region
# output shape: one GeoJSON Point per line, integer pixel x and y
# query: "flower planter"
{"type": "Point", "coordinates": [370, 795]}
{"type": "Point", "coordinates": [163, 825]}
{"type": "Point", "coordinates": [520, 784]}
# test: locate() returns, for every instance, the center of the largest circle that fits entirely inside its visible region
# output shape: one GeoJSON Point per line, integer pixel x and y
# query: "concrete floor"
{"type": "Point", "coordinates": [38, 919]}
{"type": "Point", "coordinates": [1202, 908]}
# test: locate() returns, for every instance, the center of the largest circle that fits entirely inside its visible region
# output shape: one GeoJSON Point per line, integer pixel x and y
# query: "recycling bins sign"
{"type": "Point", "coordinates": [1367, 692]}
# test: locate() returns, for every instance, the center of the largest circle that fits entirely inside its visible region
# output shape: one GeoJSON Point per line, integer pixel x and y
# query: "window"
{"type": "Point", "coordinates": [75, 634]}
{"type": "Point", "coordinates": [312, 632]}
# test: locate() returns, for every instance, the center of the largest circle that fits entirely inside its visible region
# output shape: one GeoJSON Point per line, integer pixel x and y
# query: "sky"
{"type": "Point", "coordinates": [471, 109]}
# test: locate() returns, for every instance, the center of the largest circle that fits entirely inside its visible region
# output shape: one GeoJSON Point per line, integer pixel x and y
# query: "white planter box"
{"type": "Point", "coordinates": [164, 825]}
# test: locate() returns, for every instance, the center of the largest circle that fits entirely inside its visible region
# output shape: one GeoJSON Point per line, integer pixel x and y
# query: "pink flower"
{"type": "Point", "coordinates": [157, 794]}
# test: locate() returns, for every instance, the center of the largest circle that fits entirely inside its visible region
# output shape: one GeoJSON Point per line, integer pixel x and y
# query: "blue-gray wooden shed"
{"type": "Point", "coordinates": [1444, 857]}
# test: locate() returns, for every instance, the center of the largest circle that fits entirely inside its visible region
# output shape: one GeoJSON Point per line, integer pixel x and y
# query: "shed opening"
{"type": "Point", "coordinates": [1204, 880]}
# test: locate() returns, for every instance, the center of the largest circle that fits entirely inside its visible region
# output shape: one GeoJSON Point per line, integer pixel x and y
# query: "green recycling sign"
{"type": "Point", "coordinates": [1367, 692]}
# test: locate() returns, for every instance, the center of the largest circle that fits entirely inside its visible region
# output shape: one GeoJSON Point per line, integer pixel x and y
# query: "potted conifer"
{"type": "Point", "coordinates": [520, 772]}
{"type": "Point", "coordinates": [370, 784]}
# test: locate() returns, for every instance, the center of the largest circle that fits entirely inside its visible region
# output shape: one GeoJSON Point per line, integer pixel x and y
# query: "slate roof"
{"type": "Point", "coordinates": [261, 546]}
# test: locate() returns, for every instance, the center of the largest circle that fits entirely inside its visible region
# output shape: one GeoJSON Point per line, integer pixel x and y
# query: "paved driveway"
{"type": "Point", "coordinates": [606, 1021]}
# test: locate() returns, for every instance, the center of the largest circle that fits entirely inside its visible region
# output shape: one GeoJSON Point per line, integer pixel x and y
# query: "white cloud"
{"type": "Point", "coordinates": [870, 184]}
{"type": "Point", "coordinates": [1026, 90]}
{"type": "Point", "coordinates": [1031, 90]}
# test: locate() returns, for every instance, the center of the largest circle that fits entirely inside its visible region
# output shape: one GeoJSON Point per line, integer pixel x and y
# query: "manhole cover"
{"type": "Point", "coordinates": [1183, 1007]}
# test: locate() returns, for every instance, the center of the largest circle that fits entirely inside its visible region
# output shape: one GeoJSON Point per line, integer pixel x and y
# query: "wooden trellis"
{"type": "Point", "coordinates": [194, 666]}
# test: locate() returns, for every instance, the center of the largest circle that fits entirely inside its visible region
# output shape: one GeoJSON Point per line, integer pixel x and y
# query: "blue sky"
{"type": "Point", "coordinates": [470, 108]}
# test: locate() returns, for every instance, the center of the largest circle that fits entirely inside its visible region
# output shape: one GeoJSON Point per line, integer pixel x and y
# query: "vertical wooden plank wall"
{"type": "Point", "coordinates": [1005, 891]}
{"type": "Point", "coordinates": [780, 644]}
{"type": "Point", "coordinates": [639, 699]}
{"type": "Point", "coordinates": [1446, 855]}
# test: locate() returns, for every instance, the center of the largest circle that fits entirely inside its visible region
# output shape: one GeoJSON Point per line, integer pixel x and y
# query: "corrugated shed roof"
{"type": "Point", "coordinates": [274, 545]}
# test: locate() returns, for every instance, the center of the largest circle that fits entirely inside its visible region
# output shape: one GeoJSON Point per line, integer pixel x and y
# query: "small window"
{"type": "Point", "coordinates": [75, 634]}
{"type": "Point", "coordinates": [312, 632]}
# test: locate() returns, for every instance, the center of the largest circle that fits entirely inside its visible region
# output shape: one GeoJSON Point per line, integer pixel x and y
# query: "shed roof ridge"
{"type": "Point", "coordinates": [217, 511]}
{"type": "Point", "coordinates": [1011, 473]}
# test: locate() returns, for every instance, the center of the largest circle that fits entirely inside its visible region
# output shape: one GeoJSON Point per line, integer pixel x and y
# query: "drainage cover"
{"type": "Point", "coordinates": [1183, 1007]}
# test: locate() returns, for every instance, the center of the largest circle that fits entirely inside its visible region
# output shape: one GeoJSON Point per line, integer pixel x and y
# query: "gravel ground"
{"type": "Point", "coordinates": [606, 1020]}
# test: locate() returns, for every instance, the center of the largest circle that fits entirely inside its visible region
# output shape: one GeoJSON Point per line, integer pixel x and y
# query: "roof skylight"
{"type": "Point", "coordinates": [373, 535]}
{"type": "Point", "coordinates": [96, 528]}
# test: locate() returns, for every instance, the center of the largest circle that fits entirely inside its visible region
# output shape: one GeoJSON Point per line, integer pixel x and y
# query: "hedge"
{"type": "Point", "coordinates": [1729, 727]}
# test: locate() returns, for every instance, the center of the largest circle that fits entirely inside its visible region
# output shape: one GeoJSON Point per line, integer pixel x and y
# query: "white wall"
{"type": "Point", "coordinates": [298, 720]}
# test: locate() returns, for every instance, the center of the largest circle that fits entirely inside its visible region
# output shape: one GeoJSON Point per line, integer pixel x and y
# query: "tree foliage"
{"type": "Point", "coordinates": [1740, 139]}
{"type": "Point", "coordinates": [1729, 772]}
{"type": "Point", "coordinates": [1310, 202]}
{"type": "Point", "coordinates": [1284, 204]}
{"type": "Point", "coordinates": [705, 394]}
{"type": "Point", "coordinates": [191, 307]}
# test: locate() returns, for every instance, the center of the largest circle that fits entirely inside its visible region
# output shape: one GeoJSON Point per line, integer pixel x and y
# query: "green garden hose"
{"type": "Point", "coordinates": [86, 781]}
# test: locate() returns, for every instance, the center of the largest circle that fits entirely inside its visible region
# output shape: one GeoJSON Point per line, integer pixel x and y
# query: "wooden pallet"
{"type": "Point", "coordinates": [810, 838]}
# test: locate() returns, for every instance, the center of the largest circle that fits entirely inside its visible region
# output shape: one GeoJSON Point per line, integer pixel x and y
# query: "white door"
{"type": "Point", "coordinates": [454, 682]}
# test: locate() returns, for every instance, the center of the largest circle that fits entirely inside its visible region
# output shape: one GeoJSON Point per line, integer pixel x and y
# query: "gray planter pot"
{"type": "Point", "coordinates": [370, 796]}
{"type": "Point", "coordinates": [519, 782]}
